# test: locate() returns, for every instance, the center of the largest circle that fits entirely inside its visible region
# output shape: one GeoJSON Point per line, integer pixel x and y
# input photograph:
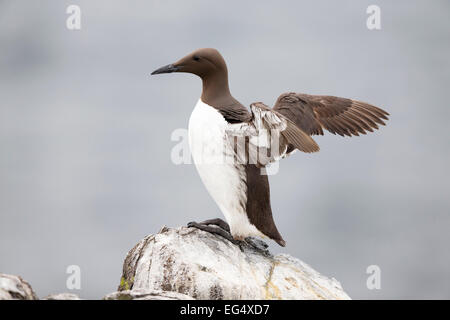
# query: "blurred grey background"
{"type": "Point", "coordinates": [85, 169]}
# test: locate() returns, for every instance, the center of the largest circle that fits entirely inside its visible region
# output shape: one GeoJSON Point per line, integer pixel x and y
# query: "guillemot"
{"type": "Point", "coordinates": [240, 187]}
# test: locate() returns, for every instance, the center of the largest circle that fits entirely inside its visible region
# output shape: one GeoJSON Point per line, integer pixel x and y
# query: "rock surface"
{"type": "Point", "coordinates": [205, 266]}
{"type": "Point", "coordinates": [15, 288]}
{"type": "Point", "coordinates": [139, 294]}
{"type": "Point", "coordinates": [62, 296]}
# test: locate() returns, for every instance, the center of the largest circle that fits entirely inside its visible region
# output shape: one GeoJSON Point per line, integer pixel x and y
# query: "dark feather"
{"type": "Point", "coordinates": [342, 116]}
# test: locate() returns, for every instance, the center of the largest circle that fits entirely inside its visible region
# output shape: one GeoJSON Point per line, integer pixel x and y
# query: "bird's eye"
{"type": "Point", "coordinates": [196, 58]}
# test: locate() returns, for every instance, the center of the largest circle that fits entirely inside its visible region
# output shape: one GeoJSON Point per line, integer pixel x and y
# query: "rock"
{"type": "Point", "coordinates": [140, 294]}
{"type": "Point", "coordinates": [62, 296]}
{"type": "Point", "coordinates": [206, 266]}
{"type": "Point", "coordinates": [15, 288]}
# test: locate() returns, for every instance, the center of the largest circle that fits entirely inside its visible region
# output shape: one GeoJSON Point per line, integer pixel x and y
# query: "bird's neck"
{"type": "Point", "coordinates": [216, 91]}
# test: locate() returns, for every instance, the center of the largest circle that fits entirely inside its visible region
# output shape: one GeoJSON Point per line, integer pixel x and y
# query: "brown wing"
{"type": "Point", "coordinates": [293, 134]}
{"type": "Point", "coordinates": [342, 116]}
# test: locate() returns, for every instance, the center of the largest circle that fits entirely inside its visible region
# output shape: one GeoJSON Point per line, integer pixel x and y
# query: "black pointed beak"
{"type": "Point", "coordinates": [166, 69]}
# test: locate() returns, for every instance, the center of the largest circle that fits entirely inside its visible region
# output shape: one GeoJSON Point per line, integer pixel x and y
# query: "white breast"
{"type": "Point", "coordinates": [224, 179]}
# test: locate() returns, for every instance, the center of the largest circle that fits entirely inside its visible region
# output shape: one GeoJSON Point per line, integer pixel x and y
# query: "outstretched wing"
{"type": "Point", "coordinates": [267, 137]}
{"type": "Point", "coordinates": [345, 117]}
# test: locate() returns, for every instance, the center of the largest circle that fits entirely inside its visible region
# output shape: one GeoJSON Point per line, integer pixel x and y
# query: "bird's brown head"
{"type": "Point", "coordinates": [210, 66]}
{"type": "Point", "coordinates": [204, 63]}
